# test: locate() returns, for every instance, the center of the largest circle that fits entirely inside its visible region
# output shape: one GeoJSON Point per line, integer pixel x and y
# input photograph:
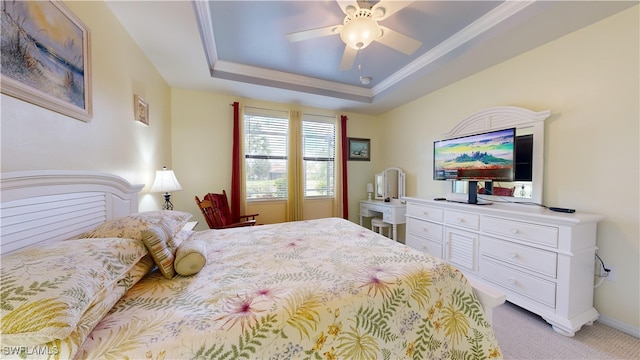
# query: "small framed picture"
{"type": "Point", "coordinates": [359, 149]}
{"type": "Point", "coordinates": [141, 109]}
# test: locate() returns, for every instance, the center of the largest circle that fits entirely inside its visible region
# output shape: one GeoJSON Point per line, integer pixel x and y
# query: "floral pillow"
{"type": "Point", "coordinates": [46, 289]}
{"type": "Point", "coordinates": [130, 226]}
{"type": "Point", "coordinates": [68, 347]}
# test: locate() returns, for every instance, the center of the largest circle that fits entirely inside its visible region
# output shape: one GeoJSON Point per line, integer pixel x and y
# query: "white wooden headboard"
{"type": "Point", "coordinates": [47, 205]}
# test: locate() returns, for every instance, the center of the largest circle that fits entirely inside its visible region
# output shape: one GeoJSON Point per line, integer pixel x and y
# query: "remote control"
{"type": "Point", "coordinates": [571, 211]}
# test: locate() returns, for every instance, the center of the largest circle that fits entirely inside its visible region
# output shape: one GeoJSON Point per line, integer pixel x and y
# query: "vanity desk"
{"type": "Point", "coordinates": [389, 185]}
{"type": "Point", "coordinates": [392, 213]}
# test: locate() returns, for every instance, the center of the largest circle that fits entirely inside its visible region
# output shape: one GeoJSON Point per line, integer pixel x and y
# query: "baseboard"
{"type": "Point", "coordinates": [618, 325]}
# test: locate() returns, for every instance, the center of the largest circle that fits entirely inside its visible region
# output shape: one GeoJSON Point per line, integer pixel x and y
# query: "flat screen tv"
{"type": "Point", "coordinates": [488, 156]}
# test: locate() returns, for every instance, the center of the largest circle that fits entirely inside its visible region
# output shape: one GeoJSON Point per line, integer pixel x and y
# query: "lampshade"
{"type": "Point", "coordinates": [360, 29]}
{"type": "Point", "coordinates": [165, 181]}
{"type": "Point", "coordinates": [369, 187]}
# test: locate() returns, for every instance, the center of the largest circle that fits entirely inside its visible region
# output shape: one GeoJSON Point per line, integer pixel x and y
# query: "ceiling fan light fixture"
{"type": "Point", "coordinates": [360, 30]}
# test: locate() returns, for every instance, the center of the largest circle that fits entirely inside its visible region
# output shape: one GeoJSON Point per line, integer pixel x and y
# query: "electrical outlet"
{"type": "Point", "coordinates": [612, 274]}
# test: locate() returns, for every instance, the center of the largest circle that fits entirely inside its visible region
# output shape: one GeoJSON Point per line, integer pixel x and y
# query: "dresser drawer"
{"type": "Point", "coordinates": [463, 219]}
{"type": "Point", "coordinates": [365, 211]}
{"type": "Point", "coordinates": [424, 229]}
{"type": "Point", "coordinates": [524, 284]}
{"type": "Point", "coordinates": [424, 212]}
{"type": "Point", "coordinates": [540, 234]}
{"type": "Point", "coordinates": [419, 243]}
{"type": "Point", "coordinates": [544, 262]}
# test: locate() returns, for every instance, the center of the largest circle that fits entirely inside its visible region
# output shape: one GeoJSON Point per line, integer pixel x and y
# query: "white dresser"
{"type": "Point", "coordinates": [543, 260]}
{"type": "Point", "coordinates": [391, 212]}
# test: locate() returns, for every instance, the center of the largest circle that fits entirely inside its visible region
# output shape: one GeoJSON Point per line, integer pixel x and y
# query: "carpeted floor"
{"type": "Point", "coordinates": [524, 335]}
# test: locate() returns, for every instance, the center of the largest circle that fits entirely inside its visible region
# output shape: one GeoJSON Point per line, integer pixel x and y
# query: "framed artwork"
{"type": "Point", "coordinates": [141, 109]}
{"type": "Point", "coordinates": [359, 149]}
{"type": "Point", "coordinates": [46, 58]}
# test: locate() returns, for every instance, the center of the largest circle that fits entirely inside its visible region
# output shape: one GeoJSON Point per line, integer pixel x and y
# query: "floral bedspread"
{"type": "Point", "coordinates": [318, 289]}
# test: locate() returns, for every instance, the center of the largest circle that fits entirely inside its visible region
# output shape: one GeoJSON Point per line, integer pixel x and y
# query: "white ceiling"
{"type": "Point", "coordinates": [239, 47]}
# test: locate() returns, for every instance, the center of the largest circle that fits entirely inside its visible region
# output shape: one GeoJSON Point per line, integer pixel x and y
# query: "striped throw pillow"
{"type": "Point", "coordinates": [155, 238]}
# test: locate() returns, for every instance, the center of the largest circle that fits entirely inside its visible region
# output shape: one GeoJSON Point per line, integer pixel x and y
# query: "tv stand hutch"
{"type": "Point", "coordinates": [542, 260]}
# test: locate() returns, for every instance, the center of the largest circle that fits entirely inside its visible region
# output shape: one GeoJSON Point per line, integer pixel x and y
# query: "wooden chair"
{"type": "Point", "coordinates": [216, 212]}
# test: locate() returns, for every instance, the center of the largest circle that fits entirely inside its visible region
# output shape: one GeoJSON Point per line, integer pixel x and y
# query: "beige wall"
{"type": "Point", "coordinates": [36, 138]}
{"type": "Point", "coordinates": [590, 81]}
{"type": "Point", "coordinates": [202, 146]}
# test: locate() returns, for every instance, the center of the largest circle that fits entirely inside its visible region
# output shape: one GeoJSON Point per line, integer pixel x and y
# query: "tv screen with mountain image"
{"type": "Point", "coordinates": [487, 156]}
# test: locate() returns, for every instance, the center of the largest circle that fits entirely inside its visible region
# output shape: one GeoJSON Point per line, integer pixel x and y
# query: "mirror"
{"type": "Point", "coordinates": [379, 186]}
{"type": "Point", "coordinates": [390, 183]}
{"type": "Point", "coordinates": [529, 125]}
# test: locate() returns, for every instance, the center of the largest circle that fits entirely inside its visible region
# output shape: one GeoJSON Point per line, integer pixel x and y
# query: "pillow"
{"type": "Point", "coordinates": [46, 289]}
{"type": "Point", "coordinates": [130, 226]}
{"type": "Point", "coordinates": [181, 237]}
{"type": "Point", "coordinates": [68, 347]}
{"type": "Point", "coordinates": [155, 239]}
{"type": "Point", "coordinates": [190, 257]}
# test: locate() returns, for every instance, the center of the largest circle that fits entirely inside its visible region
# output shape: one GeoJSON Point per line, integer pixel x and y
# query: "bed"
{"type": "Point", "coordinates": [99, 281]}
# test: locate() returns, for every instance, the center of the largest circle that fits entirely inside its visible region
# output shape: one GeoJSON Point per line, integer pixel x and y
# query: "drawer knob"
{"type": "Point", "coordinates": [460, 220]}
{"type": "Point", "coordinates": [425, 213]}
{"type": "Point", "coordinates": [425, 230]}
{"type": "Point", "coordinates": [514, 230]}
{"type": "Point", "coordinates": [512, 281]}
{"type": "Point", "coordinates": [513, 254]}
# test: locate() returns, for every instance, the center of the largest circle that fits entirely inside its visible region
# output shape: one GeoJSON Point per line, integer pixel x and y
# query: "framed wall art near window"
{"type": "Point", "coordinates": [141, 109]}
{"type": "Point", "coordinates": [46, 57]}
{"type": "Point", "coordinates": [359, 149]}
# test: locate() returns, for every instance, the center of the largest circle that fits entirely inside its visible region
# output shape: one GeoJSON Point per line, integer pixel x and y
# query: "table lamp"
{"type": "Point", "coordinates": [369, 191]}
{"type": "Point", "coordinates": [166, 182]}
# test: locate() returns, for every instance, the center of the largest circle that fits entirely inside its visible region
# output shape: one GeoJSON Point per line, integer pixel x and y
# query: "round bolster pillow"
{"type": "Point", "coordinates": [191, 256]}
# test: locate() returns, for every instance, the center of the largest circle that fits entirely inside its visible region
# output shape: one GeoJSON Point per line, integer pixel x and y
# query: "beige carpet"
{"type": "Point", "coordinates": [524, 335]}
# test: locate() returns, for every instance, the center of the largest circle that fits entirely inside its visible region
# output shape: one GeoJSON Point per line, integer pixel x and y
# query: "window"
{"type": "Point", "coordinates": [319, 148]}
{"type": "Point", "coordinates": [266, 136]}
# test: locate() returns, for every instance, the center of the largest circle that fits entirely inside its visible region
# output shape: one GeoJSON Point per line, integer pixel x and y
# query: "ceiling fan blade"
{"type": "Point", "coordinates": [348, 57]}
{"type": "Point", "coordinates": [398, 41]}
{"type": "Point", "coordinates": [314, 33]}
{"type": "Point", "coordinates": [344, 4]}
{"type": "Point", "coordinates": [389, 8]}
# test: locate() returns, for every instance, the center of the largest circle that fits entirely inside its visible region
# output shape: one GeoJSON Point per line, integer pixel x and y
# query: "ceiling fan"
{"type": "Point", "coordinates": [360, 28]}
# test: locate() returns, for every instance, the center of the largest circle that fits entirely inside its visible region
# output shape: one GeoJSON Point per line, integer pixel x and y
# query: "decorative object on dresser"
{"type": "Point", "coordinates": [166, 182]}
{"type": "Point", "coordinates": [46, 57]}
{"type": "Point", "coordinates": [542, 260]}
{"type": "Point", "coordinates": [389, 187]}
